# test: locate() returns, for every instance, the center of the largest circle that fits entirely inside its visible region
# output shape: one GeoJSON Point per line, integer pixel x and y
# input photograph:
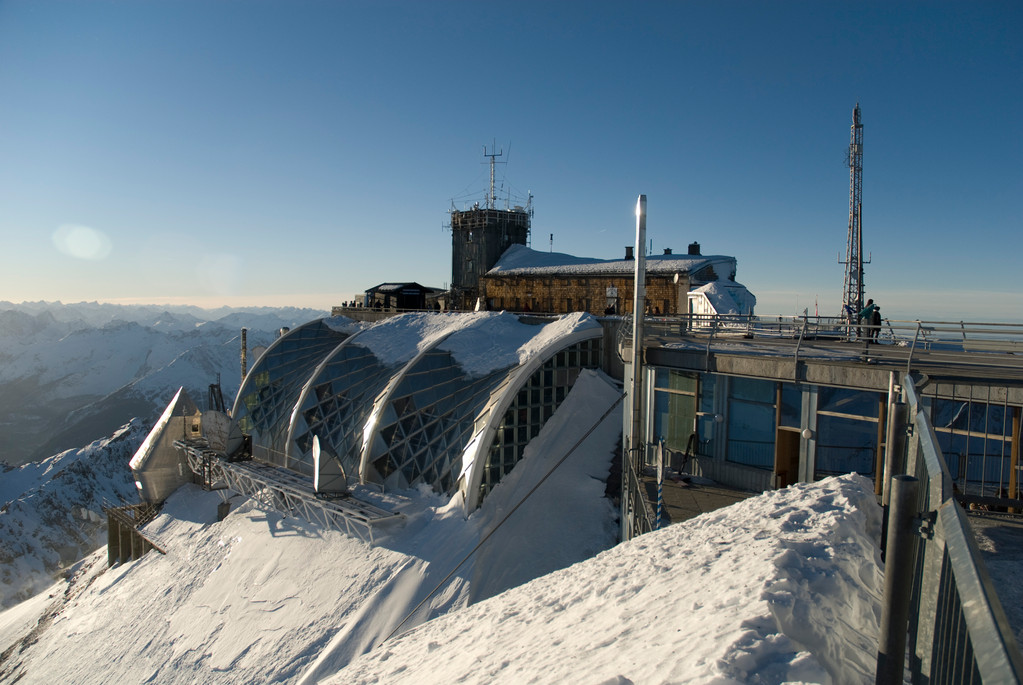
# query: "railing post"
{"type": "Point", "coordinates": [895, 447]}
{"type": "Point", "coordinates": [900, 560]}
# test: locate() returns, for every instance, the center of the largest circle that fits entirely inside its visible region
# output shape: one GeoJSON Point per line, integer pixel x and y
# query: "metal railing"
{"type": "Point", "coordinates": [125, 542]}
{"type": "Point", "coordinates": [637, 518]}
{"type": "Point", "coordinates": [957, 628]}
{"type": "Point", "coordinates": [285, 491]}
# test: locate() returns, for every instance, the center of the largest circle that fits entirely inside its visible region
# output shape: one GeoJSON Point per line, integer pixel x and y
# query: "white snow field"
{"type": "Point", "coordinates": [777, 588]}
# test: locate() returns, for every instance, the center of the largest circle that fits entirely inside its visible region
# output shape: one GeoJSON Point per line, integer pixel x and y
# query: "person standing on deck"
{"type": "Point", "coordinates": [866, 315]}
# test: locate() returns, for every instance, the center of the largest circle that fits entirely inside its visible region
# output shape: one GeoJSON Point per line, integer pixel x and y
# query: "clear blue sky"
{"type": "Point", "coordinates": [228, 152]}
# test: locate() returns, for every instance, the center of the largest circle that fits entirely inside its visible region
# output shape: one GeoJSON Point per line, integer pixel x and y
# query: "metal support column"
{"type": "Point", "coordinates": [900, 560]}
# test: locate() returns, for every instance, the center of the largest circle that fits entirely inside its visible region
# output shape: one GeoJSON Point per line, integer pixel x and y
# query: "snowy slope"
{"type": "Point", "coordinates": [781, 587]}
{"type": "Point", "coordinates": [778, 588]}
{"type": "Point", "coordinates": [51, 511]}
{"type": "Point", "coordinates": [262, 598]}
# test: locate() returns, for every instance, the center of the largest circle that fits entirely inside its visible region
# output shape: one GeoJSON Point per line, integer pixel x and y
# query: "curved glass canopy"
{"type": "Point", "coordinates": [449, 400]}
{"type": "Point", "coordinates": [267, 395]}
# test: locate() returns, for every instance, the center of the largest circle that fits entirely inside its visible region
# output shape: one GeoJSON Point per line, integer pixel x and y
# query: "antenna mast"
{"type": "Point", "coordinates": [491, 198]}
{"type": "Point", "coordinates": [852, 291]}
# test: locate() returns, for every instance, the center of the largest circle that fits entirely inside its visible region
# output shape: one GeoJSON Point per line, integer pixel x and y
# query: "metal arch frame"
{"type": "Point", "coordinates": [483, 438]}
{"type": "Point", "coordinates": [370, 428]}
{"type": "Point", "coordinates": [309, 386]}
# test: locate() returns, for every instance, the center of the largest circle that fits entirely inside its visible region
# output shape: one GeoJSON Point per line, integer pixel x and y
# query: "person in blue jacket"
{"type": "Point", "coordinates": [866, 316]}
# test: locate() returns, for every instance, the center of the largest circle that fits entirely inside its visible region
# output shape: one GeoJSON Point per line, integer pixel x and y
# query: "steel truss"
{"type": "Point", "coordinates": [285, 491]}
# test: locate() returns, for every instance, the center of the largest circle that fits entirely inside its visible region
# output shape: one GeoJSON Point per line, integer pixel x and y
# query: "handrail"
{"type": "Point", "coordinates": [912, 346]}
{"type": "Point", "coordinates": [958, 631]}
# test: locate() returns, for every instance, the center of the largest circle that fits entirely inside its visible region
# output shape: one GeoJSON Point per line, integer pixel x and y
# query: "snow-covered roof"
{"type": "Point", "coordinates": [398, 401]}
{"type": "Point", "coordinates": [727, 297]}
{"type": "Point", "coordinates": [519, 260]}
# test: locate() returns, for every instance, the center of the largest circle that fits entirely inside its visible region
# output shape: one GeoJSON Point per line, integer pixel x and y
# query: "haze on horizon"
{"type": "Point", "coordinates": [296, 154]}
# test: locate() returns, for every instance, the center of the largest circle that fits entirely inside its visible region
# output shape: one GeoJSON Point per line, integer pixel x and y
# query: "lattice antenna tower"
{"type": "Point", "coordinates": [852, 291]}
{"type": "Point", "coordinates": [491, 197]}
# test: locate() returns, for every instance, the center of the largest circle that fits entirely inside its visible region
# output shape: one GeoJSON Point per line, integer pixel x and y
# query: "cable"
{"type": "Point", "coordinates": [506, 517]}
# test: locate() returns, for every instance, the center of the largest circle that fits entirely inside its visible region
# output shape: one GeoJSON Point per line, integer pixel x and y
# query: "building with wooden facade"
{"type": "Point", "coordinates": [528, 280]}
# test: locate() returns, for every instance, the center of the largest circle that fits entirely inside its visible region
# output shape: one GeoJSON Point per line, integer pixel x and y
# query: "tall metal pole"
{"type": "Point", "coordinates": [639, 297]}
{"type": "Point", "coordinates": [245, 352]}
{"type": "Point", "coordinates": [852, 291]}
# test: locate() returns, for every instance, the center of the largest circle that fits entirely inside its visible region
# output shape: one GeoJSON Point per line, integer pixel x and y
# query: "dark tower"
{"type": "Point", "coordinates": [479, 236]}
{"type": "Point", "coordinates": [852, 290]}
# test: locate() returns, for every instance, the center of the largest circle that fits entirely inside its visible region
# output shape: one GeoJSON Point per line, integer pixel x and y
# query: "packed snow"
{"type": "Point", "coordinates": [481, 342]}
{"type": "Point", "coordinates": [780, 587]}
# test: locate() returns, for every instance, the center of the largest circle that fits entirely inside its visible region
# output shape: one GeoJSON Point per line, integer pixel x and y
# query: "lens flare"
{"type": "Point", "coordinates": [82, 242]}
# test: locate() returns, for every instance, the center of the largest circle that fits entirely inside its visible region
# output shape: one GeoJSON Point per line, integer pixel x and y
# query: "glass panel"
{"type": "Point", "coordinates": [846, 401]}
{"type": "Point", "coordinates": [753, 390]}
{"type": "Point", "coordinates": [791, 405]}
{"type": "Point", "coordinates": [845, 445]}
{"type": "Point", "coordinates": [751, 434]}
{"type": "Point", "coordinates": [673, 419]}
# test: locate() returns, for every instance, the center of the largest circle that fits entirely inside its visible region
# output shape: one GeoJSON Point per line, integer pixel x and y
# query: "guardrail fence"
{"type": "Point", "coordinates": [957, 631]}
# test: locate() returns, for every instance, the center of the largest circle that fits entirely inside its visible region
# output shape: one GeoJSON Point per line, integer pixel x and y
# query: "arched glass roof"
{"type": "Point", "coordinates": [334, 406]}
{"type": "Point", "coordinates": [267, 396]}
{"type": "Point", "coordinates": [445, 399]}
{"type": "Point", "coordinates": [514, 415]}
{"type": "Point", "coordinates": [424, 422]}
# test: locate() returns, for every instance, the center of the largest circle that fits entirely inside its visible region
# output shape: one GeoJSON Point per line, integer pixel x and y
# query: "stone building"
{"type": "Point", "coordinates": [479, 236]}
{"type": "Point", "coordinates": [527, 280]}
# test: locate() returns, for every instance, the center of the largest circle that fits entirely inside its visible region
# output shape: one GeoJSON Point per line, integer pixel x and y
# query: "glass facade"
{"type": "Point", "coordinates": [976, 439]}
{"type": "Point", "coordinates": [751, 422]}
{"type": "Point", "coordinates": [271, 388]}
{"type": "Point", "coordinates": [426, 422]}
{"type": "Point", "coordinates": [535, 402]}
{"type": "Point", "coordinates": [335, 406]}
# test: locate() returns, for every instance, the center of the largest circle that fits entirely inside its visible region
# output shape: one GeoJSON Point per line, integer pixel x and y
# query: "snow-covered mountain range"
{"type": "Point", "coordinates": [74, 373]}
{"type": "Point", "coordinates": [96, 375]}
{"type": "Point", "coordinates": [52, 511]}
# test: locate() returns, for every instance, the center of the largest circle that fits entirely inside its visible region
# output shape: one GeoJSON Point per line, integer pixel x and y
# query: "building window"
{"type": "Point", "coordinates": [675, 409]}
{"type": "Point", "coordinates": [847, 423]}
{"type": "Point", "coordinates": [751, 422]}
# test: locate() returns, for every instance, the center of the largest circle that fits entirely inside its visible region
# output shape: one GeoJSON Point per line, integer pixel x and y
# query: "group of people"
{"type": "Point", "coordinates": [870, 315]}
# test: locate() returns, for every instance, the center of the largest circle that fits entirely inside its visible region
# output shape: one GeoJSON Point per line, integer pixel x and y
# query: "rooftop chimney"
{"type": "Point", "coordinates": [628, 252]}
{"type": "Point", "coordinates": [667, 250]}
{"type": "Point", "coordinates": [694, 248]}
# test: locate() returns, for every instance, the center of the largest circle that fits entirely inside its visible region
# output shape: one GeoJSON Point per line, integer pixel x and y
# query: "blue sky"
{"type": "Point", "coordinates": [228, 152]}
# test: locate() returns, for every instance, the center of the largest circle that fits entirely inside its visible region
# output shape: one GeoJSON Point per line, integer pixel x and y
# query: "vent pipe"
{"type": "Point", "coordinates": [245, 359]}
